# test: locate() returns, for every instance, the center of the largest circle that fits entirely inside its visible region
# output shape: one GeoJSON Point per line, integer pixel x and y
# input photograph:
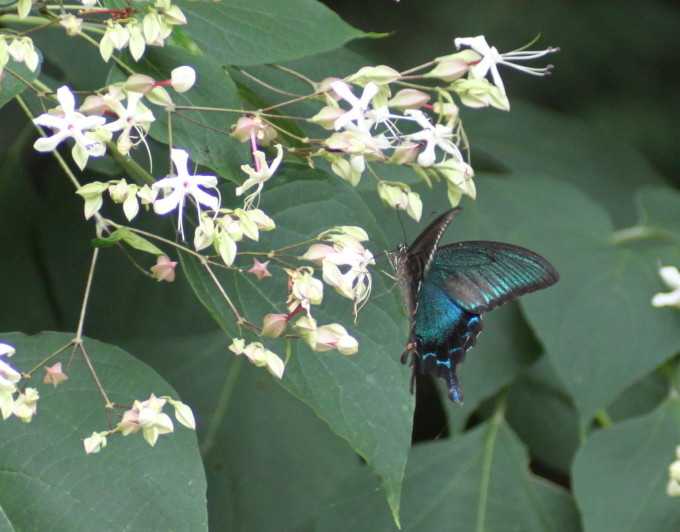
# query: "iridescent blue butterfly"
{"type": "Point", "coordinates": [445, 291]}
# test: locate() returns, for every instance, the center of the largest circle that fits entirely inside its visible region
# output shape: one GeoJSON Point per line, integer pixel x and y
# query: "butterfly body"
{"type": "Point", "coordinates": [445, 291]}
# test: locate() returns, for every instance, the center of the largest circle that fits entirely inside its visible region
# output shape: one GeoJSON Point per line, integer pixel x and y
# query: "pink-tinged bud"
{"type": "Point", "coordinates": [164, 270]}
{"type": "Point", "coordinates": [409, 99]}
{"type": "Point", "coordinates": [327, 116]}
{"type": "Point", "coordinates": [54, 375]}
{"type": "Point", "coordinates": [140, 83]}
{"type": "Point", "coordinates": [183, 78]}
{"type": "Point", "coordinates": [449, 70]}
{"type": "Point", "coordinates": [93, 105]}
{"type": "Point", "coordinates": [325, 86]}
{"type": "Point", "coordinates": [317, 252]}
{"type": "Point", "coordinates": [273, 325]}
{"type": "Point", "coordinates": [252, 126]}
{"type": "Point", "coordinates": [405, 153]}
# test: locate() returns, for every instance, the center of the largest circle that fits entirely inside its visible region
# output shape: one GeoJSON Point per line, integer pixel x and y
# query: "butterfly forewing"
{"type": "Point", "coordinates": [481, 276]}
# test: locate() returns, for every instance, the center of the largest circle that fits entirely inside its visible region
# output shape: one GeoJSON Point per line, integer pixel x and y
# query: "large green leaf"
{"type": "Point", "coordinates": [540, 411]}
{"type": "Point", "coordinates": [620, 474]}
{"type": "Point", "coordinates": [535, 140]}
{"type": "Point", "coordinates": [364, 398]}
{"type": "Point", "coordinates": [48, 482]}
{"type": "Point", "coordinates": [477, 481]}
{"type": "Point", "coordinates": [264, 31]}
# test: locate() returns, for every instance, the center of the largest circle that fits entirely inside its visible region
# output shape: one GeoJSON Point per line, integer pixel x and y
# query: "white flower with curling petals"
{"type": "Point", "coordinates": [183, 185]}
{"type": "Point", "coordinates": [70, 124]}
{"type": "Point", "coordinates": [490, 57]}
{"type": "Point", "coordinates": [259, 175]}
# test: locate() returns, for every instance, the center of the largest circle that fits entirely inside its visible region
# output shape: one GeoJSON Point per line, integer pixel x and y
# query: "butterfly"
{"type": "Point", "coordinates": [446, 290]}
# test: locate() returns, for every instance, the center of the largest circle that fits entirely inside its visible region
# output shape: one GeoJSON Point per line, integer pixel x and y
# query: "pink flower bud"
{"type": "Point", "coordinates": [409, 99]}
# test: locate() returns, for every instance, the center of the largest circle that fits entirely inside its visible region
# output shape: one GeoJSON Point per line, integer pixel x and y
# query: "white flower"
{"type": "Point", "coordinates": [26, 405]}
{"type": "Point", "coordinates": [671, 277]}
{"type": "Point", "coordinates": [95, 443]}
{"type": "Point", "coordinates": [357, 114]}
{"type": "Point", "coordinates": [258, 175]}
{"type": "Point", "coordinates": [437, 135]}
{"type": "Point", "coordinates": [183, 185]}
{"type": "Point", "coordinates": [346, 253]}
{"type": "Point", "coordinates": [136, 116]}
{"type": "Point", "coordinates": [490, 57]}
{"type": "Point", "coordinates": [70, 124]}
{"type": "Point", "coordinates": [22, 50]}
{"type": "Point", "coordinates": [148, 417]}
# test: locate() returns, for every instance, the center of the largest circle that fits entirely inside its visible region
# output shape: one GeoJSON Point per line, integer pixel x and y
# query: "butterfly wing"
{"type": "Point", "coordinates": [443, 332]}
{"type": "Point", "coordinates": [481, 276]}
{"type": "Point", "coordinates": [446, 290]}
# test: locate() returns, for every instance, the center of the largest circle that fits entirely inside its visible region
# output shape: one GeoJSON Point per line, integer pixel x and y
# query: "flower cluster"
{"type": "Point", "coordinates": [146, 417]}
{"type": "Point", "coordinates": [345, 262]}
{"type": "Point", "coordinates": [88, 127]}
{"type": "Point", "coordinates": [405, 128]}
{"type": "Point", "coordinates": [25, 404]}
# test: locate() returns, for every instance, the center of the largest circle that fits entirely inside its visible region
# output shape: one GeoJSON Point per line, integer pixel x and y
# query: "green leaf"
{"type": "Point", "coordinates": [540, 411]}
{"type": "Point", "coordinates": [364, 398]}
{"type": "Point", "coordinates": [620, 474]}
{"type": "Point", "coordinates": [15, 80]}
{"type": "Point", "coordinates": [477, 481]}
{"type": "Point", "coordinates": [49, 482]}
{"type": "Point", "coordinates": [264, 31]}
{"type": "Point", "coordinates": [562, 147]}
{"type": "Point", "coordinates": [132, 239]}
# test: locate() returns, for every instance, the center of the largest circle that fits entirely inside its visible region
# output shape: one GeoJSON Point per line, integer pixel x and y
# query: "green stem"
{"type": "Point", "coordinates": [489, 443]}
{"type": "Point", "coordinates": [222, 405]}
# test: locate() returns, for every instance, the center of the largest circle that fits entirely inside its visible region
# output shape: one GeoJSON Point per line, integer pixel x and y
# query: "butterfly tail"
{"type": "Point", "coordinates": [455, 393]}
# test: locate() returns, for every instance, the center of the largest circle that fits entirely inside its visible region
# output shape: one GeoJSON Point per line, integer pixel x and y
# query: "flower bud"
{"type": "Point", "coordinates": [183, 78]}
{"type": "Point", "coordinates": [140, 83]}
{"type": "Point", "coordinates": [273, 325]}
{"type": "Point", "coordinates": [409, 99]}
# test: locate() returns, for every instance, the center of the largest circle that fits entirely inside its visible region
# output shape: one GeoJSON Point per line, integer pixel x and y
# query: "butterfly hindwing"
{"type": "Point", "coordinates": [443, 332]}
{"type": "Point", "coordinates": [481, 276]}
